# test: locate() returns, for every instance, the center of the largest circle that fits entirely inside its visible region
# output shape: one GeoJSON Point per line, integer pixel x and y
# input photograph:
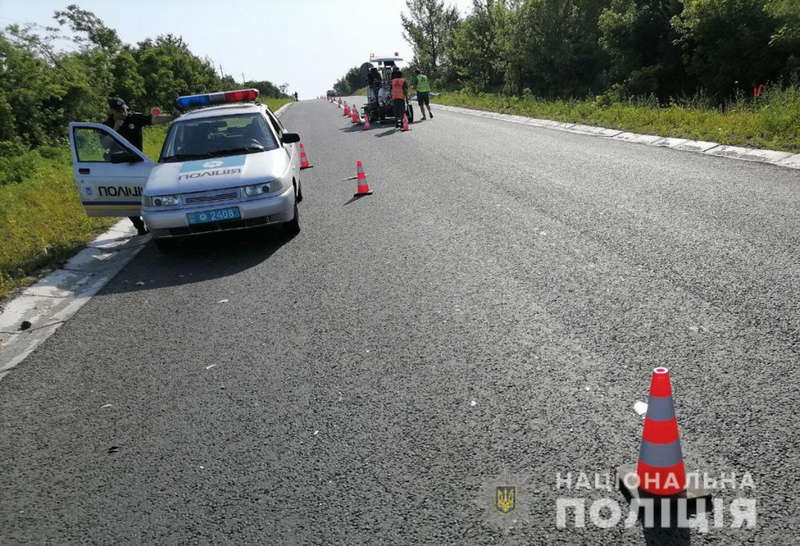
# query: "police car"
{"type": "Point", "coordinates": [228, 164]}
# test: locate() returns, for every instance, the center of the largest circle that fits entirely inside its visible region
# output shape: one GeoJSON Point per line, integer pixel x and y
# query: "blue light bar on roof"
{"type": "Point", "coordinates": [192, 101]}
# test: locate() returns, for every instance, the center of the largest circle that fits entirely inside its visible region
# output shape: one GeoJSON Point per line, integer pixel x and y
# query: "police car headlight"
{"type": "Point", "coordinates": [265, 187]}
{"type": "Point", "coordinates": [162, 201]}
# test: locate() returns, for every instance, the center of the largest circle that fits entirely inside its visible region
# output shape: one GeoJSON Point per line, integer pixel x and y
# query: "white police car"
{"type": "Point", "coordinates": [228, 165]}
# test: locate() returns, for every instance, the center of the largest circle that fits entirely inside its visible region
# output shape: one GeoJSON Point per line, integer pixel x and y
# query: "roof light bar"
{"type": "Point", "coordinates": [191, 101]}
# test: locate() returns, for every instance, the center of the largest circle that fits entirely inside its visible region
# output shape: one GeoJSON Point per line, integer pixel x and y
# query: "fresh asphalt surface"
{"type": "Point", "coordinates": [490, 314]}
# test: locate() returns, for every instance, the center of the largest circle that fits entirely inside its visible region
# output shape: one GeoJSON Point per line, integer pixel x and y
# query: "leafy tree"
{"type": "Point", "coordinates": [726, 44]}
{"type": "Point", "coordinates": [128, 83]}
{"type": "Point", "coordinates": [169, 69]}
{"type": "Point", "coordinates": [43, 88]}
{"type": "Point", "coordinates": [429, 29]}
{"type": "Point", "coordinates": [350, 82]}
{"type": "Point", "coordinates": [785, 40]}
{"type": "Point", "coordinates": [557, 47]}
{"type": "Point", "coordinates": [480, 51]}
{"type": "Point", "coordinates": [266, 88]}
{"type": "Point", "coordinates": [639, 39]}
{"type": "Point", "coordinates": [86, 22]}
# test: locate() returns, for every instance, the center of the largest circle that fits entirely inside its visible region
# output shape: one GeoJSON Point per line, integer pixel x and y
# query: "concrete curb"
{"type": "Point", "coordinates": [50, 302]}
{"type": "Point", "coordinates": [54, 299]}
{"type": "Point", "coordinates": [773, 157]}
{"type": "Point", "coordinates": [283, 108]}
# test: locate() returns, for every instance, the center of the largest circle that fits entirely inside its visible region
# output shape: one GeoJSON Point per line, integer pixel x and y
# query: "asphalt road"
{"type": "Point", "coordinates": [490, 315]}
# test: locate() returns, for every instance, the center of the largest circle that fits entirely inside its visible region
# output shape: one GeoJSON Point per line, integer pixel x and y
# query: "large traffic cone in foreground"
{"type": "Point", "coordinates": [346, 110]}
{"type": "Point", "coordinates": [660, 472]}
{"type": "Point", "coordinates": [362, 188]}
{"type": "Point", "coordinates": [304, 164]}
{"type": "Point", "coordinates": [354, 117]}
{"type": "Point", "coordinates": [660, 467]}
{"type": "Point", "coordinates": [405, 123]}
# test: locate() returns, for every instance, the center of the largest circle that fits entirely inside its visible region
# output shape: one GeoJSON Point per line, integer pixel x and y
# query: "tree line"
{"type": "Point", "coordinates": [349, 83]}
{"type": "Point", "coordinates": [44, 87]}
{"type": "Point", "coordinates": [624, 48]}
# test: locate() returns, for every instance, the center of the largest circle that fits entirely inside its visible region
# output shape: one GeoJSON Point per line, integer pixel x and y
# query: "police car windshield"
{"type": "Point", "coordinates": [217, 136]}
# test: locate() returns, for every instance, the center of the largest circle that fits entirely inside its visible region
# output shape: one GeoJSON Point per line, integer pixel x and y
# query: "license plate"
{"type": "Point", "coordinates": [216, 215]}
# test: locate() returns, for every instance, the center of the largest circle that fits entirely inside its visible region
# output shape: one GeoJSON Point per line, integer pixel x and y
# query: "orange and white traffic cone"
{"type": "Point", "coordinates": [405, 123]}
{"type": "Point", "coordinates": [354, 117]}
{"type": "Point", "coordinates": [346, 110]}
{"type": "Point", "coordinates": [362, 188]}
{"type": "Point", "coordinates": [660, 472]}
{"type": "Point", "coordinates": [304, 164]}
{"type": "Point", "coordinates": [366, 122]}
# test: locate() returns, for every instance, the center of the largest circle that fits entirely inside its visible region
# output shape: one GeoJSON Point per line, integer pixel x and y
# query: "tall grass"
{"type": "Point", "coordinates": [773, 121]}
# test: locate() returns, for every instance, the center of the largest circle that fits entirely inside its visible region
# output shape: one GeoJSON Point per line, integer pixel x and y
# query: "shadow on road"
{"type": "Point", "coordinates": [352, 129]}
{"type": "Point", "coordinates": [355, 198]}
{"type": "Point", "coordinates": [387, 133]}
{"type": "Point", "coordinates": [198, 259]}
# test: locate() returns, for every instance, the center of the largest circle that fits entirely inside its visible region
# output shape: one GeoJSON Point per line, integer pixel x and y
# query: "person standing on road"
{"type": "Point", "coordinates": [423, 87]}
{"type": "Point", "coordinates": [129, 126]}
{"type": "Point", "coordinates": [374, 83]}
{"type": "Point", "coordinates": [399, 96]}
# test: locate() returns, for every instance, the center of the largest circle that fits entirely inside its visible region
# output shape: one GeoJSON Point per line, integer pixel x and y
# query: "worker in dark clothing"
{"type": "Point", "coordinates": [129, 126]}
{"type": "Point", "coordinates": [399, 96]}
{"type": "Point", "coordinates": [374, 83]}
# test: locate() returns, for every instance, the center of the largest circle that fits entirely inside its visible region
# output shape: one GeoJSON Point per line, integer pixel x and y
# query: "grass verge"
{"type": "Point", "coordinates": [42, 221]}
{"type": "Point", "coordinates": [274, 104]}
{"type": "Point", "coordinates": [773, 122]}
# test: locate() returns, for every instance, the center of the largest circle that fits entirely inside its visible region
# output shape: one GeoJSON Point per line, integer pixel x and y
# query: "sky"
{"type": "Point", "coordinates": [308, 44]}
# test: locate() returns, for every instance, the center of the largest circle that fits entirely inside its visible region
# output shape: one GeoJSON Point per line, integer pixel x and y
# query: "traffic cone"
{"type": "Point", "coordinates": [303, 158]}
{"type": "Point", "coordinates": [346, 110]}
{"type": "Point", "coordinates": [362, 188]}
{"type": "Point", "coordinates": [356, 116]}
{"type": "Point", "coordinates": [659, 472]}
{"type": "Point", "coordinates": [366, 122]}
{"type": "Point", "coordinates": [405, 123]}
{"type": "Point", "coordinates": [660, 467]}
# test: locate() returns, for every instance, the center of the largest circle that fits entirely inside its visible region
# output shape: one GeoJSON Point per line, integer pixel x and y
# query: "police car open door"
{"type": "Point", "coordinates": [109, 171]}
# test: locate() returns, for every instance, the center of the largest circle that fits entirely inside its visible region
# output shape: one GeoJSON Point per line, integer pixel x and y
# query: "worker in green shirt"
{"type": "Point", "coordinates": [423, 87]}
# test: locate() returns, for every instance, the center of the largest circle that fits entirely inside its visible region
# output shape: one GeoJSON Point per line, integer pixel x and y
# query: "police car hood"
{"type": "Point", "coordinates": [217, 172]}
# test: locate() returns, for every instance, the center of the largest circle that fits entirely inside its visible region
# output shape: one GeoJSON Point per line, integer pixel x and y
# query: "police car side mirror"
{"type": "Point", "coordinates": [124, 156]}
{"type": "Point", "coordinates": [289, 138]}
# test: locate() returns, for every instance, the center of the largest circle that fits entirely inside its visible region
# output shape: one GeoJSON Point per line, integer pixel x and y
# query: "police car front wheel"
{"type": "Point", "coordinates": [292, 227]}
